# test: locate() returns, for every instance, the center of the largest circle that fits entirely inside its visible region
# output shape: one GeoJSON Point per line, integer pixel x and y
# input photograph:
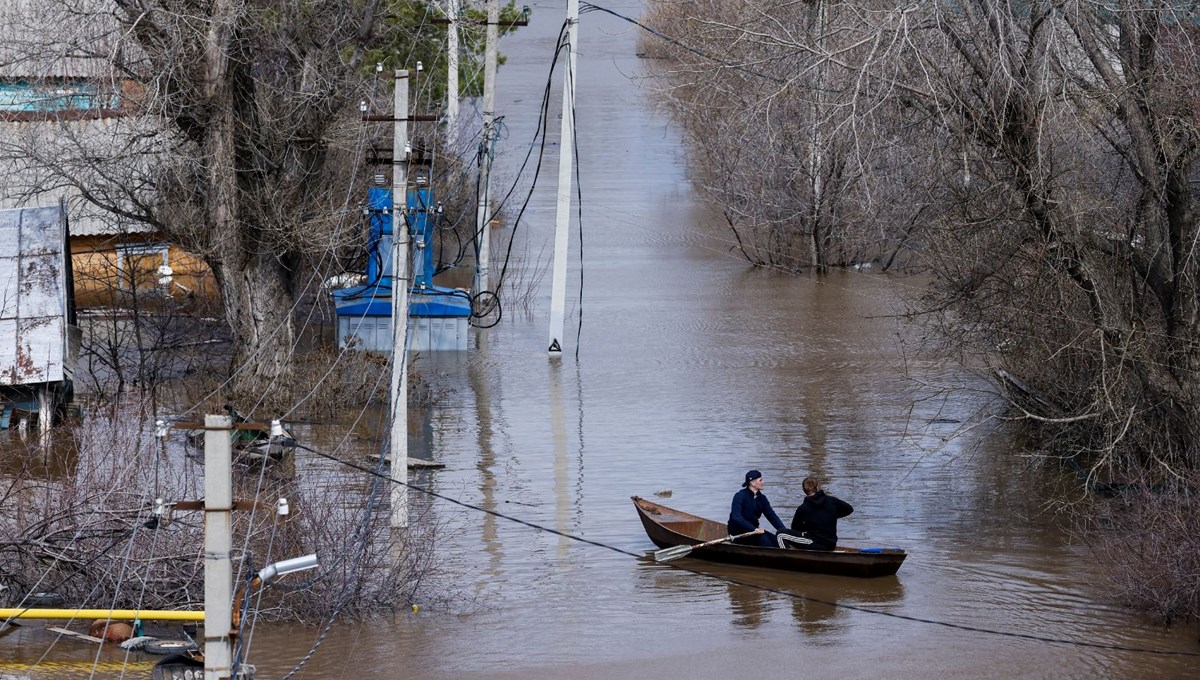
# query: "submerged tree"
{"type": "Point", "coordinates": [779, 128]}
{"type": "Point", "coordinates": [1050, 149]}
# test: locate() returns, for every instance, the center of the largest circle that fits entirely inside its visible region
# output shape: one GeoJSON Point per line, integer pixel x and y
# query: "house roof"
{"type": "Point", "coordinates": [44, 163]}
{"type": "Point", "coordinates": [33, 297]}
{"type": "Point", "coordinates": [47, 40]}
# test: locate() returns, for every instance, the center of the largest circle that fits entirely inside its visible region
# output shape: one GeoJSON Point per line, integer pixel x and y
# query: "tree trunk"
{"type": "Point", "coordinates": [253, 281]}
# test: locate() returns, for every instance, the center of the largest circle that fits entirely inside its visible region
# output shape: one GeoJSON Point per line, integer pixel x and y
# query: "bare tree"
{"type": "Point", "coordinates": [236, 137]}
{"type": "Point", "coordinates": [780, 127]}
{"type": "Point", "coordinates": [80, 524]}
{"type": "Point", "coordinates": [1049, 150]}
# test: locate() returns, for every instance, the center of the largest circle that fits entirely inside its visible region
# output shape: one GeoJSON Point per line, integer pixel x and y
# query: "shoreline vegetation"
{"type": "Point", "coordinates": [1036, 161]}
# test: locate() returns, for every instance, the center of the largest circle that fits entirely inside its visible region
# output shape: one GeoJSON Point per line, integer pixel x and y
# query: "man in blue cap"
{"type": "Point", "coordinates": [749, 505]}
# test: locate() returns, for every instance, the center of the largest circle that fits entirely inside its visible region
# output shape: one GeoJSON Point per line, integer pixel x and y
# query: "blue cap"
{"type": "Point", "coordinates": [751, 476]}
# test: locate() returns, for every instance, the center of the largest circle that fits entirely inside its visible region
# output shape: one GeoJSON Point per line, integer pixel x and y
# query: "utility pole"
{"type": "Point", "coordinates": [483, 229]}
{"type": "Point", "coordinates": [398, 445]}
{"type": "Point", "coordinates": [218, 542]}
{"type": "Point", "coordinates": [452, 75]}
{"type": "Point", "coordinates": [566, 161]}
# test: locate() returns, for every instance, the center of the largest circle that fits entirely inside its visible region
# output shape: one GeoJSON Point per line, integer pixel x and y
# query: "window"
{"type": "Point", "coordinates": [138, 265]}
{"type": "Point", "coordinates": [58, 99]}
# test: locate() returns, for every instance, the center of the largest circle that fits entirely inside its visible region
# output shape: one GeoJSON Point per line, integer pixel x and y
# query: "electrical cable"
{"type": "Point", "coordinates": [776, 591]}
{"type": "Point", "coordinates": [586, 7]}
{"type": "Point", "coordinates": [127, 537]}
{"type": "Point", "coordinates": [590, 7]}
{"type": "Point", "coordinates": [142, 593]}
{"type": "Point", "coordinates": [362, 533]}
{"type": "Point", "coordinates": [78, 535]}
{"type": "Point", "coordinates": [539, 134]}
{"type": "Point", "coordinates": [543, 122]}
{"type": "Point", "coordinates": [579, 207]}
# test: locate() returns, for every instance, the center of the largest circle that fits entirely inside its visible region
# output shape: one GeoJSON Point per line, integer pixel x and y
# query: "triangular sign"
{"type": "Point", "coordinates": [554, 346]}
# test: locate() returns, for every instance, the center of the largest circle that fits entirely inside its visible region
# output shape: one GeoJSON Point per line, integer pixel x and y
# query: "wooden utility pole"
{"type": "Point", "coordinates": [452, 74]}
{"type": "Point", "coordinates": [483, 230]}
{"type": "Point", "coordinates": [398, 445]}
{"type": "Point", "coordinates": [566, 161]}
{"type": "Point", "coordinates": [218, 542]}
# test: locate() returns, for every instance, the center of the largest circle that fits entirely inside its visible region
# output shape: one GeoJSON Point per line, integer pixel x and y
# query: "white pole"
{"type": "Point", "coordinates": [218, 541]}
{"type": "Point", "coordinates": [482, 222]}
{"type": "Point", "coordinates": [566, 161]}
{"type": "Point", "coordinates": [398, 445]}
{"type": "Point", "coordinates": [452, 75]}
{"type": "Point", "coordinates": [45, 414]}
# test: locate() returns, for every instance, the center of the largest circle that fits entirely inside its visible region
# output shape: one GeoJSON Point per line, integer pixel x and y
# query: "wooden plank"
{"type": "Point", "coordinates": [73, 635]}
{"type": "Point", "coordinates": [415, 462]}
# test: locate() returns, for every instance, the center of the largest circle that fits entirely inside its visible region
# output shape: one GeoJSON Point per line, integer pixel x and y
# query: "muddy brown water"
{"type": "Point", "coordinates": [692, 369]}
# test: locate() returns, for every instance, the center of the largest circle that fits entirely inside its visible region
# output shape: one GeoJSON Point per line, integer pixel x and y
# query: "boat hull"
{"type": "Point", "coordinates": [667, 528]}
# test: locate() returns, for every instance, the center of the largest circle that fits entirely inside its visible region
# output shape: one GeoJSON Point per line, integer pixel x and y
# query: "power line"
{"type": "Point", "coordinates": [777, 591]}
{"type": "Point", "coordinates": [586, 7]}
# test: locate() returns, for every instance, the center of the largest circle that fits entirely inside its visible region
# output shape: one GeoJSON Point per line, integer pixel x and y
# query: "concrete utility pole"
{"type": "Point", "coordinates": [566, 161]}
{"type": "Point", "coordinates": [218, 542]}
{"type": "Point", "coordinates": [483, 228]}
{"type": "Point", "coordinates": [398, 445]}
{"type": "Point", "coordinates": [452, 74]}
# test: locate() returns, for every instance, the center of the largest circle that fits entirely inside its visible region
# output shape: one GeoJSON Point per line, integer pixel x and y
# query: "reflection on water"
{"type": "Point", "coordinates": [819, 605]}
{"type": "Point", "coordinates": [746, 605]}
{"type": "Point", "coordinates": [563, 488]}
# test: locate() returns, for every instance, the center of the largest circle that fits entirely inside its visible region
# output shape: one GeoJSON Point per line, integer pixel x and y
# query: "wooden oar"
{"type": "Point", "coordinates": [674, 553]}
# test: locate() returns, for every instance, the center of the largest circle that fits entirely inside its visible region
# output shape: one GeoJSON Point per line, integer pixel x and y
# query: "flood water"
{"type": "Point", "coordinates": [693, 368]}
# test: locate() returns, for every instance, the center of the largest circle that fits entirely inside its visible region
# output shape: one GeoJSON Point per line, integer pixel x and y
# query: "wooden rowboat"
{"type": "Point", "coordinates": [668, 528]}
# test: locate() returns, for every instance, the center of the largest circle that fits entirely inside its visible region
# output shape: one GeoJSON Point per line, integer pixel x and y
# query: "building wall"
{"type": "Point", "coordinates": [123, 270]}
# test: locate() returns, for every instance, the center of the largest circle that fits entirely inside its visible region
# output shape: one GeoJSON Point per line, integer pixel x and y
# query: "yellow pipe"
{"type": "Point", "coordinates": [129, 614]}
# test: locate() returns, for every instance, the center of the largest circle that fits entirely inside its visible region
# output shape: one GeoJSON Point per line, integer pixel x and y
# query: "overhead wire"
{"type": "Point", "coordinates": [586, 7]}
{"type": "Point", "coordinates": [591, 7]}
{"type": "Point", "coordinates": [580, 539]}
{"type": "Point", "coordinates": [361, 536]}
{"type": "Point", "coordinates": [796, 596]}
{"type": "Point", "coordinates": [97, 585]}
{"type": "Point", "coordinates": [271, 333]}
{"type": "Point", "coordinates": [539, 141]}
{"type": "Point", "coordinates": [579, 208]}
{"type": "Point", "coordinates": [78, 535]}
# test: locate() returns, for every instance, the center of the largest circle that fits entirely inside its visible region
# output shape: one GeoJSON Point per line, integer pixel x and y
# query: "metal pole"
{"type": "Point", "coordinates": [398, 444]}
{"type": "Point", "coordinates": [482, 220]}
{"type": "Point", "coordinates": [218, 541]}
{"type": "Point", "coordinates": [452, 75]}
{"type": "Point", "coordinates": [76, 614]}
{"type": "Point", "coordinates": [566, 161]}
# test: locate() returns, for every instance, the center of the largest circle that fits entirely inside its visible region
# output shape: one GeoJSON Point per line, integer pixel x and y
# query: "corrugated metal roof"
{"type": "Point", "coordinates": [33, 297]}
{"type": "Point", "coordinates": [56, 39]}
{"type": "Point", "coordinates": [26, 179]}
{"type": "Point", "coordinates": [63, 44]}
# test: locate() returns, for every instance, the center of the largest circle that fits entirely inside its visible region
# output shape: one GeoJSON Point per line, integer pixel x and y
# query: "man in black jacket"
{"type": "Point", "coordinates": [748, 505]}
{"type": "Point", "coordinates": [814, 527]}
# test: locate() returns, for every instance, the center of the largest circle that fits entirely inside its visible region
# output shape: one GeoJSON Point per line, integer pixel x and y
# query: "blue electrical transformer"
{"type": "Point", "coordinates": [437, 317]}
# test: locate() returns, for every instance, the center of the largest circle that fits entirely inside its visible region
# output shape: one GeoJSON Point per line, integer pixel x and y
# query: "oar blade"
{"type": "Point", "coordinates": [673, 553]}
